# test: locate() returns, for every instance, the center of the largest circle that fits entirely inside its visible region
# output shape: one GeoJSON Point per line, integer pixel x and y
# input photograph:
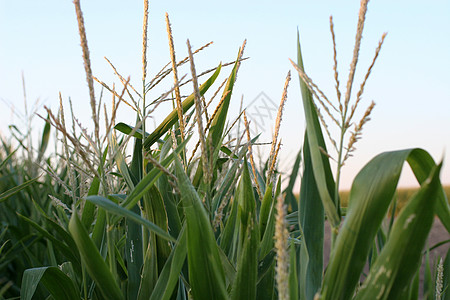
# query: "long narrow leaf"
{"type": "Point", "coordinates": [321, 165]}
{"type": "Point", "coordinates": [172, 118]}
{"type": "Point", "coordinates": [95, 265]}
{"type": "Point", "coordinates": [113, 208]}
{"type": "Point", "coordinates": [5, 195]}
{"type": "Point", "coordinates": [57, 283]}
{"type": "Point", "coordinates": [206, 273]}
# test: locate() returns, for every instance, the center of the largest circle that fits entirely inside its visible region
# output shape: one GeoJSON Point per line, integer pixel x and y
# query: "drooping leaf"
{"type": "Point", "coordinates": [400, 258]}
{"type": "Point", "coordinates": [5, 195]}
{"type": "Point", "coordinates": [370, 197]}
{"type": "Point", "coordinates": [57, 283]}
{"type": "Point", "coordinates": [113, 208]}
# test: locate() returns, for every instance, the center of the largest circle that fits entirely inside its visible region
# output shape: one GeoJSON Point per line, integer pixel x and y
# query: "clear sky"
{"type": "Point", "coordinates": [410, 82]}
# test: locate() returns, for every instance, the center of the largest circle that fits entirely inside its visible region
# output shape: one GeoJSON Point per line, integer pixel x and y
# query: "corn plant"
{"type": "Point", "coordinates": [169, 221]}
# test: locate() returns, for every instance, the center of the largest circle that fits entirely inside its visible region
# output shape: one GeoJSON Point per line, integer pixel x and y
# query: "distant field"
{"type": "Point", "coordinates": [403, 195]}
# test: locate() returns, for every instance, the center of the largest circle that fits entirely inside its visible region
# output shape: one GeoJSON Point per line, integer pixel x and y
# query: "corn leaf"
{"type": "Point", "coordinates": [400, 258]}
{"type": "Point", "coordinates": [206, 273]}
{"type": "Point", "coordinates": [127, 129]}
{"type": "Point", "coordinates": [311, 218]}
{"type": "Point", "coordinates": [92, 259]}
{"type": "Point", "coordinates": [446, 278]}
{"type": "Point", "coordinates": [172, 118]}
{"type": "Point", "coordinates": [113, 208]}
{"type": "Point", "coordinates": [169, 276]}
{"type": "Point", "coordinates": [148, 180]}
{"type": "Point", "coordinates": [244, 286]}
{"type": "Point", "coordinates": [44, 139]}
{"type": "Point", "coordinates": [321, 165]}
{"type": "Point", "coordinates": [5, 195]}
{"type": "Point", "coordinates": [370, 197]}
{"type": "Point", "coordinates": [134, 253]}
{"type": "Point", "coordinates": [57, 283]}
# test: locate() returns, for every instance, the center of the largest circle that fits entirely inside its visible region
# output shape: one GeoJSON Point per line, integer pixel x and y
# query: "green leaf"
{"type": "Point", "coordinates": [172, 118]}
{"type": "Point", "coordinates": [67, 251]}
{"type": "Point", "coordinates": [127, 129]}
{"type": "Point", "coordinates": [311, 218]}
{"type": "Point", "coordinates": [370, 197]}
{"type": "Point", "coordinates": [148, 180]}
{"type": "Point", "coordinates": [266, 207]}
{"type": "Point", "coordinates": [134, 238]}
{"type": "Point", "coordinates": [5, 195]}
{"type": "Point", "coordinates": [395, 267]}
{"type": "Point", "coordinates": [113, 208]}
{"type": "Point", "coordinates": [446, 278]}
{"type": "Point", "coordinates": [320, 163]}
{"type": "Point", "coordinates": [206, 273]}
{"type": "Point", "coordinates": [293, 273]}
{"type": "Point", "coordinates": [244, 286]}
{"type": "Point", "coordinates": [93, 261]}
{"type": "Point", "coordinates": [57, 283]}
{"type": "Point", "coordinates": [169, 276]}
{"type": "Point", "coordinates": [8, 158]}
{"type": "Point", "coordinates": [88, 214]}
{"type": "Point", "coordinates": [218, 123]}
{"type": "Point", "coordinates": [44, 139]}
{"type": "Point", "coordinates": [290, 199]}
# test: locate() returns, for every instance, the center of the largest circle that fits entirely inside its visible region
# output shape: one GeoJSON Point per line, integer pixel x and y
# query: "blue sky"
{"type": "Point", "coordinates": [410, 82]}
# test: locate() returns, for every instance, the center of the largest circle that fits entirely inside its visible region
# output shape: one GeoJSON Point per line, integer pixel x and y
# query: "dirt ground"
{"type": "Point", "coordinates": [438, 233]}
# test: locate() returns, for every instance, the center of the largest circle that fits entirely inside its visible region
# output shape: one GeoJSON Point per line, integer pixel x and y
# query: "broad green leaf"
{"type": "Point", "coordinates": [172, 118]}
{"type": "Point", "coordinates": [311, 218]}
{"type": "Point", "coordinates": [113, 208]}
{"type": "Point", "coordinates": [246, 204]}
{"type": "Point", "coordinates": [57, 283]}
{"type": "Point", "coordinates": [93, 261]}
{"type": "Point", "coordinates": [206, 273]}
{"type": "Point", "coordinates": [158, 250]}
{"type": "Point", "coordinates": [244, 286]}
{"type": "Point", "coordinates": [5, 195]}
{"type": "Point", "coordinates": [155, 211]}
{"type": "Point", "coordinates": [370, 197]}
{"type": "Point", "coordinates": [134, 241]}
{"type": "Point", "coordinates": [422, 164]}
{"type": "Point", "coordinates": [169, 276]}
{"type": "Point", "coordinates": [395, 267]}
{"type": "Point", "coordinates": [320, 162]}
